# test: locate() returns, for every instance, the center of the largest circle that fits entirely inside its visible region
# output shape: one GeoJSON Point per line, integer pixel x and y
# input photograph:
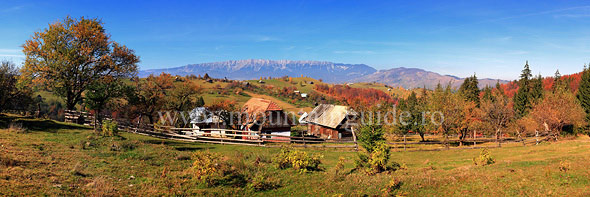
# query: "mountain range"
{"type": "Point", "coordinates": [328, 71]}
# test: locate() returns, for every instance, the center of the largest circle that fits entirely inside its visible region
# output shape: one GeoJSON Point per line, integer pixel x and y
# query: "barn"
{"type": "Point", "coordinates": [331, 121]}
{"type": "Point", "coordinates": [265, 116]}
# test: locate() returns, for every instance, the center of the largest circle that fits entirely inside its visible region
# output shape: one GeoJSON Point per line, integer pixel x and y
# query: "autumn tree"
{"type": "Point", "coordinates": [226, 110]}
{"type": "Point", "coordinates": [12, 97]}
{"type": "Point", "coordinates": [497, 113]}
{"type": "Point", "coordinates": [182, 97]}
{"type": "Point", "coordinates": [446, 110]}
{"type": "Point", "coordinates": [149, 95]}
{"type": "Point", "coordinates": [557, 110]}
{"type": "Point", "coordinates": [70, 55]}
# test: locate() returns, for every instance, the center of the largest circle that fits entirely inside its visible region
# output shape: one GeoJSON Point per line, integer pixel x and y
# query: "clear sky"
{"type": "Point", "coordinates": [492, 39]}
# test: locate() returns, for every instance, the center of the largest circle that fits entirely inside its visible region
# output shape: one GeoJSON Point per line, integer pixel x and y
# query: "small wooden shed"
{"type": "Point", "coordinates": [331, 121]}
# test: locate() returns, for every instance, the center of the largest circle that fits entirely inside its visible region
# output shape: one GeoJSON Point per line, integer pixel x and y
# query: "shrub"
{"type": "Point", "coordinates": [484, 158]}
{"type": "Point", "coordinates": [298, 160]}
{"type": "Point", "coordinates": [213, 169]}
{"type": "Point", "coordinates": [262, 183]}
{"type": "Point", "coordinates": [16, 127]}
{"type": "Point", "coordinates": [7, 161]}
{"type": "Point", "coordinates": [376, 161]}
{"type": "Point", "coordinates": [564, 166]}
{"type": "Point", "coordinates": [393, 186]}
{"type": "Point", "coordinates": [109, 128]}
{"type": "Point", "coordinates": [338, 169]}
{"type": "Point", "coordinates": [206, 166]}
{"type": "Point", "coordinates": [128, 145]}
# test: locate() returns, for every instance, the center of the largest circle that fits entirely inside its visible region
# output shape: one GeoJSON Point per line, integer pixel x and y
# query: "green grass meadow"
{"type": "Point", "coordinates": [53, 158]}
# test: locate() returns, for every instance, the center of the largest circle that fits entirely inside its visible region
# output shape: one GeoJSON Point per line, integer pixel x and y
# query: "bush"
{"type": "Point", "coordinates": [376, 161]}
{"type": "Point", "coordinates": [393, 186]}
{"type": "Point", "coordinates": [484, 158]}
{"type": "Point", "coordinates": [109, 128]}
{"type": "Point", "coordinates": [564, 166]}
{"type": "Point", "coordinates": [262, 183]}
{"type": "Point", "coordinates": [338, 169]}
{"type": "Point", "coordinates": [16, 127]}
{"type": "Point", "coordinates": [213, 169]}
{"type": "Point", "coordinates": [298, 160]}
{"type": "Point", "coordinates": [206, 166]}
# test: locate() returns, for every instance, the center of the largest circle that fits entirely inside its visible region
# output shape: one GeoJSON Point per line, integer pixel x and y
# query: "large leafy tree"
{"type": "Point", "coordinates": [557, 110]}
{"type": "Point", "coordinates": [584, 92]}
{"type": "Point", "coordinates": [412, 109]}
{"type": "Point", "coordinates": [149, 95]}
{"type": "Point", "coordinates": [183, 96]}
{"type": "Point", "coordinates": [447, 111]}
{"type": "Point", "coordinates": [226, 110]}
{"type": "Point", "coordinates": [70, 55]}
{"type": "Point", "coordinates": [100, 93]}
{"type": "Point", "coordinates": [497, 113]}
{"type": "Point", "coordinates": [12, 97]}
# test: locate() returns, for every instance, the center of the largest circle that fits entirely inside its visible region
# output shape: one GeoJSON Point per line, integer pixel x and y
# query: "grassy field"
{"type": "Point", "coordinates": [52, 158]}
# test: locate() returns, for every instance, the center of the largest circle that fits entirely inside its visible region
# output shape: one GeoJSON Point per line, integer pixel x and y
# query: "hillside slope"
{"type": "Point", "coordinates": [256, 68]}
{"type": "Point", "coordinates": [417, 78]}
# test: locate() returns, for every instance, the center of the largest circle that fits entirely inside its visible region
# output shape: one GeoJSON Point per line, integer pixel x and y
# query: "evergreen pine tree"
{"type": "Point", "coordinates": [470, 90]}
{"type": "Point", "coordinates": [522, 96]}
{"type": "Point", "coordinates": [556, 80]}
{"type": "Point", "coordinates": [584, 92]}
{"type": "Point", "coordinates": [200, 102]}
{"type": "Point", "coordinates": [536, 89]}
{"type": "Point", "coordinates": [487, 94]}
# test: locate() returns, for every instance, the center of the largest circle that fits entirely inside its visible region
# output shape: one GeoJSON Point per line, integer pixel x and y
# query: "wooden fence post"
{"type": "Point", "coordinates": [537, 137]}
{"type": "Point", "coordinates": [404, 142]}
{"type": "Point", "coordinates": [356, 146]}
{"type": "Point", "coordinates": [474, 134]}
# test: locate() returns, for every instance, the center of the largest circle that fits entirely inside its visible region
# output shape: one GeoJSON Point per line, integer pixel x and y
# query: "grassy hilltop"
{"type": "Point", "coordinates": [53, 158]}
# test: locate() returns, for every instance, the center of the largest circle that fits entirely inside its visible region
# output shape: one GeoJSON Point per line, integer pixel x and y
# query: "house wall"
{"type": "Point", "coordinates": [321, 131]}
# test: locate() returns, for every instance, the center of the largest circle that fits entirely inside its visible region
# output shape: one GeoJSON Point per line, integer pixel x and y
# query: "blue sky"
{"type": "Point", "coordinates": [492, 39]}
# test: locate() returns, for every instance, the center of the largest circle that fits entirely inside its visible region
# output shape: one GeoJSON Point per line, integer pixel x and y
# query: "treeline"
{"type": "Point", "coordinates": [535, 106]}
{"type": "Point", "coordinates": [355, 97]}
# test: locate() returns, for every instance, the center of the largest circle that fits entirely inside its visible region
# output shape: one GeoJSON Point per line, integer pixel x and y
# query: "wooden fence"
{"type": "Point", "coordinates": [254, 138]}
{"type": "Point", "coordinates": [83, 118]}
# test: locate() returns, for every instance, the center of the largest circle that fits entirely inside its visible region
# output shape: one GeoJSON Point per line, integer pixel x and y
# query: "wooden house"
{"type": "Point", "coordinates": [201, 118]}
{"type": "Point", "coordinates": [266, 117]}
{"type": "Point", "coordinates": [331, 121]}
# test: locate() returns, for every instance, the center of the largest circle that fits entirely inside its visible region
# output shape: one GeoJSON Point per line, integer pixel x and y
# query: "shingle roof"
{"type": "Point", "coordinates": [257, 105]}
{"type": "Point", "coordinates": [201, 115]}
{"type": "Point", "coordinates": [329, 115]}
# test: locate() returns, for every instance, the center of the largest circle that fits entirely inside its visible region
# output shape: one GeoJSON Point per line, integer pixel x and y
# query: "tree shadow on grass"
{"type": "Point", "coordinates": [178, 145]}
{"type": "Point", "coordinates": [32, 124]}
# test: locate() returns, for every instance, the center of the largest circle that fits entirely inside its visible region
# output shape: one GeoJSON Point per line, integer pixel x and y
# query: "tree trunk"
{"type": "Point", "coordinates": [151, 119]}
{"type": "Point", "coordinates": [447, 141]}
{"type": "Point", "coordinates": [422, 136]}
{"type": "Point", "coordinates": [500, 138]}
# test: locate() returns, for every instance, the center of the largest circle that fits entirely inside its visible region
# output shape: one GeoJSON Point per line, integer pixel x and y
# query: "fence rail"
{"type": "Point", "coordinates": [255, 138]}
